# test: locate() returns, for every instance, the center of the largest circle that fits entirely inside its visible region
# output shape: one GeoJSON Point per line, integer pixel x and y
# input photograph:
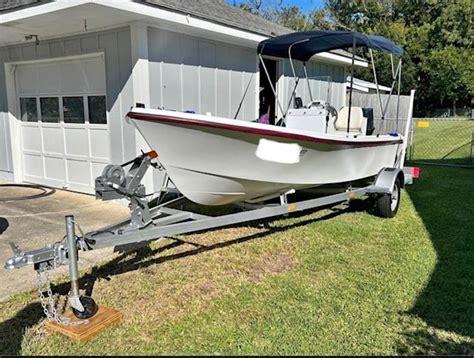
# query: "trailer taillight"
{"type": "Point", "coordinates": [415, 172]}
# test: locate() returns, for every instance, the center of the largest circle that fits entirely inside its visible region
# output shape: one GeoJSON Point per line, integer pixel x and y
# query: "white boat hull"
{"type": "Point", "coordinates": [213, 161]}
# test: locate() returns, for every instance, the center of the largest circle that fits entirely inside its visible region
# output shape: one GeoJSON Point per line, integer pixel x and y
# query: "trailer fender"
{"type": "Point", "coordinates": [385, 181]}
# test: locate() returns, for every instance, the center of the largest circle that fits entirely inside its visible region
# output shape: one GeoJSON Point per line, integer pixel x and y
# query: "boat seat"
{"type": "Point", "coordinates": [358, 121]}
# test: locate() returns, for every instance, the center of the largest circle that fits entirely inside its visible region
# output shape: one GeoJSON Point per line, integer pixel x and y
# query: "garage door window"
{"type": "Point", "coordinates": [97, 110]}
{"type": "Point", "coordinates": [28, 109]}
{"type": "Point", "coordinates": [49, 109]}
{"type": "Point", "coordinates": [73, 108]}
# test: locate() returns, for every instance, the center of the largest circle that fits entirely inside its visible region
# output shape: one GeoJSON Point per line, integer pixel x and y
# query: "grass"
{"type": "Point", "coordinates": [329, 282]}
{"type": "Point", "coordinates": [446, 141]}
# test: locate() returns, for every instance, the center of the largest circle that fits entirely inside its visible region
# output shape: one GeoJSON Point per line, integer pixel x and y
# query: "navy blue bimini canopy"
{"type": "Point", "coordinates": [306, 44]}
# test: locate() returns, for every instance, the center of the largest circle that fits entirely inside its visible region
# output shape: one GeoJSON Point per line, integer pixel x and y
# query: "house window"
{"type": "Point", "coordinates": [97, 110]}
{"type": "Point", "coordinates": [49, 109]}
{"type": "Point", "coordinates": [28, 110]}
{"type": "Point", "coordinates": [73, 108]}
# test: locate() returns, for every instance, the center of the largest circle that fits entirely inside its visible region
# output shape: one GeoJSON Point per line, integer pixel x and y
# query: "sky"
{"type": "Point", "coordinates": [305, 5]}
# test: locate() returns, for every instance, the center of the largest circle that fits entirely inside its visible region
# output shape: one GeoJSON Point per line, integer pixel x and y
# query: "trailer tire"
{"type": "Point", "coordinates": [387, 204]}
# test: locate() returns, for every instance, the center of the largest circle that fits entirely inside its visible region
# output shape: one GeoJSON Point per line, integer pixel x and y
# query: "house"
{"type": "Point", "coordinates": [70, 71]}
{"type": "Point", "coordinates": [363, 86]}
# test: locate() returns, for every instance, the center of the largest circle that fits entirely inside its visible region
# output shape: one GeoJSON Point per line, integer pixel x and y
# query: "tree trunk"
{"type": "Point", "coordinates": [454, 107]}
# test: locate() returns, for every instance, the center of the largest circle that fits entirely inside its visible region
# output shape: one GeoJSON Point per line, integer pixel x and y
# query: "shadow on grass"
{"type": "Point", "coordinates": [143, 256]}
{"type": "Point", "coordinates": [444, 200]}
{"type": "Point", "coordinates": [13, 330]}
{"type": "Point", "coordinates": [421, 342]}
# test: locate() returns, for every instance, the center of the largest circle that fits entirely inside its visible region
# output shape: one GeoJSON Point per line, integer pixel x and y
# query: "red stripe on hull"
{"type": "Point", "coordinates": [256, 131]}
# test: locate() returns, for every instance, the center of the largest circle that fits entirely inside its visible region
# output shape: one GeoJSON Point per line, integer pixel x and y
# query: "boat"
{"type": "Point", "coordinates": [218, 161]}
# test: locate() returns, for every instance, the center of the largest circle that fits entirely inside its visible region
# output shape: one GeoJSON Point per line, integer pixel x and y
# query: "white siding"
{"type": "Point", "coordinates": [190, 73]}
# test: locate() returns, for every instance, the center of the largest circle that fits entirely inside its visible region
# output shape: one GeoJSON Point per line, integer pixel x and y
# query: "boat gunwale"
{"type": "Point", "coordinates": [256, 131]}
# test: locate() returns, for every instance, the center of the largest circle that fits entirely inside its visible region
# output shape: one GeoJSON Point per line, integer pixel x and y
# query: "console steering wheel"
{"type": "Point", "coordinates": [332, 111]}
{"type": "Point", "coordinates": [310, 104]}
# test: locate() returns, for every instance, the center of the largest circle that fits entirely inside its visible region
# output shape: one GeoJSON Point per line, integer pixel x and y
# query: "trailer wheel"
{"type": "Point", "coordinates": [90, 308]}
{"type": "Point", "coordinates": [387, 204]}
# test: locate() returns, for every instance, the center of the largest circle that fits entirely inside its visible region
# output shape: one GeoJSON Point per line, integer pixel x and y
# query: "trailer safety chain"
{"type": "Point", "coordinates": [51, 312]}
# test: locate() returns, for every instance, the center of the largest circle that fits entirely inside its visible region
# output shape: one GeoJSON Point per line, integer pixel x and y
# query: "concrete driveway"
{"type": "Point", "coordinates": [35, 222]}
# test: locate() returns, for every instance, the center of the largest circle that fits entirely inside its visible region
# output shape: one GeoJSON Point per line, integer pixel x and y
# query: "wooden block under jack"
{"type": "Point", "coordinates": [104, 318]}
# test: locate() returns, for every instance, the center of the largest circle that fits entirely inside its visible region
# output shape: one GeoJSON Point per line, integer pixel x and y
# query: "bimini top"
{"type": "Point", "coordinates": [304, 45]}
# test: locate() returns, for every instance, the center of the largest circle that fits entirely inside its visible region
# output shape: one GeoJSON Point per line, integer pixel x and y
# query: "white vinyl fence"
{"type": "Point", "coordinates": [389, 124]}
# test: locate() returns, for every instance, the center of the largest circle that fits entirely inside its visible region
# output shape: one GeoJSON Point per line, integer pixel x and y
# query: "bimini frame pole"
{"type": "Point", "coordinates": [376, 81]}
{"type": "Point", "coordinates": [307, 81]}
{"type": "Point", "coordinates": [398, 94]}
{"type": "Point", "coordinates": [395, 74]}
{"type": "Point", "coordinates": [394, 80]}
{"type": "Point", "coordinates": [352, 84]}
{"type": "Point", "coordinates": [297, 80]}
{"type": "Point", "coordinates": [243, 97]}
{"type": "Point", "coordinates": [270, 82]}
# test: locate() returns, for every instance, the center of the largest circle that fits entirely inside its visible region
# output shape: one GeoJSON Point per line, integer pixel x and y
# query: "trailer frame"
{"type": "Point", "coordinates": [150, 224]}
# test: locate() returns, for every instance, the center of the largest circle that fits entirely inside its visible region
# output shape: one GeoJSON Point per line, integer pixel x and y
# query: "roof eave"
{"type": "Point", "coordinates": [251, 39]}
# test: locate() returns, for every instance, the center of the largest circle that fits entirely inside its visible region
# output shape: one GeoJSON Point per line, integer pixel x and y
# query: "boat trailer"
{"type": "Point", "coordinates": [153, 223]}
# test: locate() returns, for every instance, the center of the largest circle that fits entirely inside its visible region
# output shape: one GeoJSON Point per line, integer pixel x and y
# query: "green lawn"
{"type": "Point", "coordinates": [329, 282]}
{"type": "Point", "coordinates": [447, 141]}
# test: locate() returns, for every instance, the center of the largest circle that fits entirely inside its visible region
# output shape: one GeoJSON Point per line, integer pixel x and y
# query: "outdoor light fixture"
{"type": "Point", "coordinates": [30, 37]}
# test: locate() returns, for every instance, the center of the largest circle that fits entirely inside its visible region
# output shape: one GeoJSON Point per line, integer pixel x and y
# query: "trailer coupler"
{"type": "Point", "coordinates": [48, 257]}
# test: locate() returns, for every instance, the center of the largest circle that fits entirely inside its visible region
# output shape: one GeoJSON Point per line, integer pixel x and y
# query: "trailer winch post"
{"type": "Point", "coordinates": [74, 297]}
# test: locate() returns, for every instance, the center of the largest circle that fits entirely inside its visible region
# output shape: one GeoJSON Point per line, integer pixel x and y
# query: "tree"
{"type": "Point", "coordinates": [454, 26]}
{"type": "Point", "coordinates": [293, 18]}
{"type": "Point", "coordinates": [290, 16]}
{"type": "Point", "coordinates": [252, 6]}
{"type": "Point", "coordinates": [264, 8]}
{"type": "Point", "coordinates": [320, 20]}
{"type": "Point", "coordinates": [437, 36]}
{"type": "Point", "coordinates": [361, 15]}
{"type": "Point", "coordinates": [450, 75]}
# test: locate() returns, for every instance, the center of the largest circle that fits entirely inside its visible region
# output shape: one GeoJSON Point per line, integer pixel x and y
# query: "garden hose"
{"type": "Point", "coordinates": [45, 191]}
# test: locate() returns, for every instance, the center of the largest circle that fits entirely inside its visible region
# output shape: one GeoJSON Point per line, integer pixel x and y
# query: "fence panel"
{"type": "Point", "coordinates": [442, 141]}
{"type": "Point", "coordinates": [389, 124]}
{"type": "Point", "coordinates": [371, 100]}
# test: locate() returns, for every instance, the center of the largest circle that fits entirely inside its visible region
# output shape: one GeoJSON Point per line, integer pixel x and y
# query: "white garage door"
{"type": "Point", "coordinates": [63, 120]}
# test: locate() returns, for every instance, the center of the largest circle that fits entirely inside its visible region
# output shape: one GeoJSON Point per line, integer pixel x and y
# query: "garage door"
{"type": "Point", "coordinates": [63, 120]}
